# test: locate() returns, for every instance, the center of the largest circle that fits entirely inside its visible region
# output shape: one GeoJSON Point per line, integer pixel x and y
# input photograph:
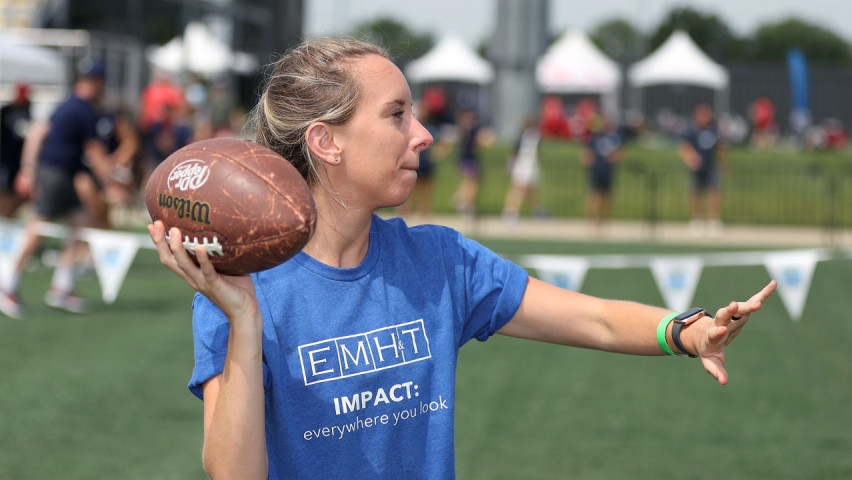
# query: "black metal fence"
{"type": "Point", "coordinates": [809, 195]}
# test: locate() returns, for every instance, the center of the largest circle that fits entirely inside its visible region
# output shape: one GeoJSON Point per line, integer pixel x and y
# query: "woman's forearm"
{"type": "Point", "coordinates": [235, 435]}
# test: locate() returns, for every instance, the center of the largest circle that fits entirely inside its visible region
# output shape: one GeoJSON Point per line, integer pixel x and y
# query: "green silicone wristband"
{"type": "Point", "coordinates": [661, 333]}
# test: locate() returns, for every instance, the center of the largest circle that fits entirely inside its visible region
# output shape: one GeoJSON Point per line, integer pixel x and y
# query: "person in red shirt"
{"type": "Point", "coordinates": [159, 94]}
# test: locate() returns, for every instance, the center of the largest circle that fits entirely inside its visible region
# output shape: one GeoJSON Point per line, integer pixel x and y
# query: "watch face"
{"type": "Point", "coordinates": [689, 316]}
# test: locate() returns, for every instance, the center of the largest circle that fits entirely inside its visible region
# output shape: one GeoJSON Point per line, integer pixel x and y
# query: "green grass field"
{"type": "Point", "coordinates": [103, 396]}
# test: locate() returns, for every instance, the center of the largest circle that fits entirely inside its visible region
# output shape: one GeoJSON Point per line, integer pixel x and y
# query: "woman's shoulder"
{"type": "Point", "coordinates": [429, 244]}
{"type": "Point", "coordinates": [397, 228]}
{"type": "Point", "coordinates": [427, 239]}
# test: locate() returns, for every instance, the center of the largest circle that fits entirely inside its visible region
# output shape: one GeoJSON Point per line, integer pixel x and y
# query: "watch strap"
{"type": "Point", "coordinates": [680, 322]}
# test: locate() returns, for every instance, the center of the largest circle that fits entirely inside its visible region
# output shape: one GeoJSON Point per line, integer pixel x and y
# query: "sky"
{"type": "Point", "coordinates": [474, 20]}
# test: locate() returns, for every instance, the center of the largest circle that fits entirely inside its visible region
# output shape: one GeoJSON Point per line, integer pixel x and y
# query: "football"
{"type": "Point", "coordinates": [245, 204]}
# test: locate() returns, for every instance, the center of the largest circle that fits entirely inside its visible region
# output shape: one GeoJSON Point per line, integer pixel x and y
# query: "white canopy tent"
{"type": "Point", "coordinates": [679, 61]}
{"type": "Point", "coordinates": [44, 68]}
{"type": "Point", "coordinates": [28, 63]}
{"type": "Point", "coordinates": [450, 60]}
{"type": "Point", "coordinates": [202, 54]}
{"type": "Point", "coordinates": [573, 64]}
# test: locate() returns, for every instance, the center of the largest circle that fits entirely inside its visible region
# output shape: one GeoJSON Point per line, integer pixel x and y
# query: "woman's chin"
{"type": "Point", "coordinates": [400, 196]}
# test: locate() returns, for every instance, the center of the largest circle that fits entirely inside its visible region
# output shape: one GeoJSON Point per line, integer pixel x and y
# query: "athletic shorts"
{"type": "Point", "coordinates": [600, 183]}
{"type": "Point", "coordinates": [469, 167]}
{"type": "Point", "coordinates": [55, 195]}
{"type": "Point", "coordinates": [705, 179]}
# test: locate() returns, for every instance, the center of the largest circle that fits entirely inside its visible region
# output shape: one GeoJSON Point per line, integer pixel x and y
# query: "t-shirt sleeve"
{"type": "Point", "coordinates": [210, 329]}
{"type": "Point", "coordinates": [494, 289]}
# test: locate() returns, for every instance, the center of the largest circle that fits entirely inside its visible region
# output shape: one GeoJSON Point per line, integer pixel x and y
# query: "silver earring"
{"type": "Point", "coordinates": [337, 160]}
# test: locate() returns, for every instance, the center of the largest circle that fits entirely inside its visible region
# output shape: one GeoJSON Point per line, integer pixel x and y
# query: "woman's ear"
{"type": "Point", "coordinates": [320, 139]}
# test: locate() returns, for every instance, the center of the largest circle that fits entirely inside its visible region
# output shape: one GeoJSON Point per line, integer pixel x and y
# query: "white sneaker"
{"type": "Point", "coordinates": [67, 301]}
{"type": "Point", "coordinates": [714, 228]}
{"type": "Point", "coordinates": [11, 305]}
{"type": "Point", "coordinates": [511, 218]}
{"type": "Point", "coordinates": [696, 228]}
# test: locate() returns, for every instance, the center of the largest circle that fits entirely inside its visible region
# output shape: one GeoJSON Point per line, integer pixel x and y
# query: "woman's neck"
{"type": "Point", "coordinates": [342, 235]}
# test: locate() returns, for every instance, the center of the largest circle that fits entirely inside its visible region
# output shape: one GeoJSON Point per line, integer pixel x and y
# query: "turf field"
{"type": "Point", "coordinates": [103, 396]}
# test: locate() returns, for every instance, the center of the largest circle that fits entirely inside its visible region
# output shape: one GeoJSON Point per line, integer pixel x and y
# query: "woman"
{"type": "Point", "coordinates": [340, 363]}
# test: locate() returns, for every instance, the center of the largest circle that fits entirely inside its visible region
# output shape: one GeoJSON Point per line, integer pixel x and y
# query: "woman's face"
{"type": "Point", "coordinates": [380, 145]}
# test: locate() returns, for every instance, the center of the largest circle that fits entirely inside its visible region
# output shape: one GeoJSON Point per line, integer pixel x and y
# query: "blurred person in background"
{"type": "Point", "coordinates": [172, 132]}
{"type": "Point", "coordinates": [159, 105]}
{"type": "Point", "coordinates": [469, 142]}
{"type": "Point", "coordinates": [15, 120]}
{"type": "Point", "coordinates": [162, 92]}
{"type": "Point", "coordinates": [702, 151]}
{"type": "Point", "coordinates": [525, 172]}
{"type": "Point", "coordinates": [764, 128]}
{"type": "Point", "coordinates": [117, 130]}
{"type": "Point", "coordinates": [421, 197]}
{"type": "Point", "coordinates": [601, 153]}
{"type": "Point", "coordinates": [220, 107]}
{"type": "Point", "coordinates": [54, 172]}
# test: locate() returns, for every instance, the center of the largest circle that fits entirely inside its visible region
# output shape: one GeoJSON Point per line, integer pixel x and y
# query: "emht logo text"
{"type": "Point", "coordinates": [342, 357]}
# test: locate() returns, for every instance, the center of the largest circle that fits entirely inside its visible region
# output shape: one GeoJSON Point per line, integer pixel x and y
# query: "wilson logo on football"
{"type": "Point", "coordinates": [188, 175]}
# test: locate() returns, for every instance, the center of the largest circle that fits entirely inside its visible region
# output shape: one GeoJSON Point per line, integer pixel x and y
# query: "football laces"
{"type": "Point", "coordinates": [211, 247]}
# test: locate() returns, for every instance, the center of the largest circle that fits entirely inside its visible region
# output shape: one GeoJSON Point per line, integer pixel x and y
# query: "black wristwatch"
{"type": "Point", "coordinates": [682, 321]}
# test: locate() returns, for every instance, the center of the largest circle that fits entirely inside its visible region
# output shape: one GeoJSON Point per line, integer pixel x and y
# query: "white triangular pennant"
{"type": "Point", "coordinates": [11, 245]}
{"type": "Point", "coordinates": [564, 272]}
{"type": "Point", "coordinates": [677, 278]}
{"type": "Point", "coordinates": [112, 254]}
{"type": "Point", "coordinates": [793, 271]}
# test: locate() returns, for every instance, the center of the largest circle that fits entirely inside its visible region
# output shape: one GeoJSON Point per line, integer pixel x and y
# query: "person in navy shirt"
{"type": "Point", "coordinates": [602, 152]}
{"type": "Point", "coordinates": [340, 363]}
{"type": "Point", "coordinates": [55, 174]}
{"type": "Point", "coordinates": [701, 150]}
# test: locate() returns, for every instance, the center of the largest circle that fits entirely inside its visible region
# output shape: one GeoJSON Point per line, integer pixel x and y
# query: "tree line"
{"type": "Point", "coordinates": [622, 41]}
{"type": "Point", "coordinates": [625, 43]}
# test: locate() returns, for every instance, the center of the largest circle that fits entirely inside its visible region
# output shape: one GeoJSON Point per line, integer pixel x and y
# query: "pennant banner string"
{"type": "Point", "coordinates": [676, 274]}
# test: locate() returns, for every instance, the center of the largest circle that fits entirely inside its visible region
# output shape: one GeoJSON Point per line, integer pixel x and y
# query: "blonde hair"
{"type": "Point", "coordinates": [312, 82]}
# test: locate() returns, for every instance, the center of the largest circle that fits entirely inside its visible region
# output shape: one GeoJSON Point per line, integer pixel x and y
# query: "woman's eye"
{"type": "Point", "coordinates": [398, 114]}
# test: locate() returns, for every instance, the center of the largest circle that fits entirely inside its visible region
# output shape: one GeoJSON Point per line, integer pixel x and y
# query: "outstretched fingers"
{"type": "Point", "coordinates": [754, 303]}
{"type": "Point", "coordinates": [739, 311]}
{"type": "Point", "coordinates": [729, 320]}
{"type": "Point", "coordinates": [727, 313]}
{"type": "Point", "coordinates": [764, 294]}
{"type": "Point", "coordinates": [715, 366]}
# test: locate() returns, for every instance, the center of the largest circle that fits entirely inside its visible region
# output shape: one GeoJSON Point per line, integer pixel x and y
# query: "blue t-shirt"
{"type": "Point", "coordinates": [71, 126]}
{"type": "Point", "coordinates": [705, 141]}
{"type": "Point", "coordinates": [359, 364]}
